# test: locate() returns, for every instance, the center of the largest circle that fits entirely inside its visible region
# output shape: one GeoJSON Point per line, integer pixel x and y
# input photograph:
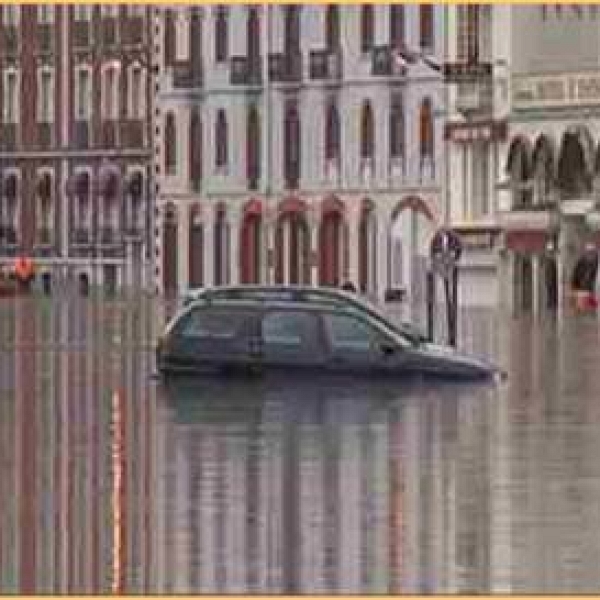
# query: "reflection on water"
{"type": "Point", "coordinates": [113, 481]}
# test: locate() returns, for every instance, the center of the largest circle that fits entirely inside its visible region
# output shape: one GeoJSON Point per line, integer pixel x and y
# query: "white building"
{"type": "Point", "coordinates": [523, 134]}
{"type": "Point", "coordinates": [298, 144]}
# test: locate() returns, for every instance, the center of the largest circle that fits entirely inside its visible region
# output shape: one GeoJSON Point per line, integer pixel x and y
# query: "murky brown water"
{"type": "Point", "coordinates": [111, 481]}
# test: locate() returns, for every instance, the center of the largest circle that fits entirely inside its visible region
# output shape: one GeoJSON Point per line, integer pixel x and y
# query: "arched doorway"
{"type": "Point", "coordinates": [196, 248]}
{"type": "Point", "coordinates": [411, 229]}
{"type": "Point", "coordinates": [292, 244]}
{"type": "Point", "coordinates": [332, 243]}
{"type": "Point", "coordinates": [251, 243]}
{"type": "Point", "coordinates": [169, 248]}
{"type": "Point", "coordinates": [221, 240]}
{"type": "Point", "coordinates": [575, 163]}
{"type": "Point", "coordinates": [367, 249]}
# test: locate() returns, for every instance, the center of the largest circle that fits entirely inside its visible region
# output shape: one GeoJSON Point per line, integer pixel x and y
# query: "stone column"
{"type": "Point", "coordinates": [353, 243]}
{"type": "Point", "coordinates": [314, 220]}
{"type": "Point", "coordinates": [234, 238]}
{"type": "Point", "coordinates": [383, 254]}
{"type": "Point", "coordinates": [208, 254]}
{"type": "Point", "coordinates": [183, 249]}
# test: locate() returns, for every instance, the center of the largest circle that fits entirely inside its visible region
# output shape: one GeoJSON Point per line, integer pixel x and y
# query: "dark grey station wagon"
{"type": "Point", "coordinates": [262, 336]}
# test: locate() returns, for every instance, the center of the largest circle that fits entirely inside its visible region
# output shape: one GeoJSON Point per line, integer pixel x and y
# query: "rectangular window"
{"type": "Point", "coordinates": [83, 102]}
{"type": "Point", "coordinates": [45, 14]}
{"type": "Point", "coordinates": [136, 93]}
{"type": "Point", "coordinates": [45, 98]}
{"type": "Point", "coordinates": [11, 97]}
{"type": "Point", "coordinates": [468, 34]}
{"type": "Point", "coordinates": [82, 12]}
{"type": "Point", "coordinates": [426, 26]}
{"type": "Point", "coordinates": [109, 95]}
{"type": "Point", "coordinates": [10, 15]}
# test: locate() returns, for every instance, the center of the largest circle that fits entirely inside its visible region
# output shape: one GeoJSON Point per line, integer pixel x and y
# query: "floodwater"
{"type": "Point", "coordinates": [113, 481]}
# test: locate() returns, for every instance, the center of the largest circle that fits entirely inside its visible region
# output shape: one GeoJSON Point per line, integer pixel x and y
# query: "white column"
{"type": "Point", "coordinates": [469, 183]}
{"type": "Point", "coordinates": [183, 243]}
{"type": "Point", "coordinates": [313, 226]}
{"type": "Point", "coordinates": [208, 254]}
{"type": "Point", "coordinates": [382, 242]}
{"type": "Point", "coordinates": [285, 250]}
{"type": "Point", "coordinates": [353, 244]}
{"type": "Point", "coordinates": [268, 248]}
{"type": "Point", "coordinates": [234, 246]}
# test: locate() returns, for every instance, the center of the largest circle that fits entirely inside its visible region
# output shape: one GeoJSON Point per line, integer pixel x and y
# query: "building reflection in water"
{"type": "Point", "coordinates": [111, 481]}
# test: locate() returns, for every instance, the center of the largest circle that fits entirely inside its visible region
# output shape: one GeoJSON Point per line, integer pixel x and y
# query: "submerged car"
{"type": "Point", "coordinates": [265, 335]}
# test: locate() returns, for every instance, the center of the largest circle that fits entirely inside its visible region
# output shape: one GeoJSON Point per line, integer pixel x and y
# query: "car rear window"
{"type": "Point", "coordinates": [213, 323]}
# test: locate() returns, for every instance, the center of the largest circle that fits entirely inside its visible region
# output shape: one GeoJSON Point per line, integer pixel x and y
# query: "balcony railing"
{"type": "Point", "coordinates": [8, 136]}
{"type": "Point", "coordinates": [81, 134]}
{"type": "Point", "coordinates": [285, 68]}
{"type": "Point", "coordinates": [474, 97]}
{"type": "Point", "coordinates": [132, 133]}
{"type": "Point", "coordinates": [326, 65]}
{"type": "Point", "coordinates": [187, 75]}
{"type": "Point", "coordinates": [244, 71]}
{"type": "Point", "coordinates": [10, 39]}
{"type": "Point", "coordinates": [45, 135]}
{"type": "Point", "coordinates": [45, 38]}
{"type": "Point", "coordinates": [82, 34]}
{"type": "Point", "coordinates": [133, 33]}
{"type": "Point", "coordinates": [109, 236]}
{"type": "Point", "coordinates": [109, 134]}
{"type": "Point", "coordinates": [109, 31]}
{"type": "Point", "coordinates": [44, 236]}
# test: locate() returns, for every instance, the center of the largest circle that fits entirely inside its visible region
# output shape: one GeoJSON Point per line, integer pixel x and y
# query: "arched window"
{"type": "Point", "coordinates": [221, 140]}
{"type": "Point", "coordinates": [292, 29]}
{"type": "Point", "coordinates": [332, 133]}
{"type": "Point", "coordinates": [426, 26]}
{"type": "Point", "coordinates": [367, 132]}
{"type": "Point", "coordinates": [170, 144]}
{"type": "Point", "coordinates": [397, 26]}
{"type": "Point", "coordinates": [396, 127]}
{"type": "Point", "coordinates": [253, 147]}
{"type": "Point", "coordinates": [367, 27]}
{"type": "Point", "coordinates": [332, 28]}
{"type": "Point", "coordinates": [221, 34]}
{"type": "Point", "coordinates": [426, 129]}
{"type": "Point", "coordinates": [292, 145]}
{"type": "Point", "coordinates": [195, 150]}
{"type": "Point", "coordinates": [169, 39]}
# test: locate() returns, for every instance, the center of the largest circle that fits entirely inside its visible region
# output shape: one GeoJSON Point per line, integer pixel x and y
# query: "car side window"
{"type": "Point", "coordinates": [202, 323]}
{"type": "Point", "coordinates": [347, 332]}
{"type": "Point", "coordinates": [288, 328]}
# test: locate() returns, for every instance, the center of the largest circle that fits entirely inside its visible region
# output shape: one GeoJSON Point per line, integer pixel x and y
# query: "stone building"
{"type": "Point", "coordinates": [75, 141]}
{"type": "Point", "coordinates": [298, 144]}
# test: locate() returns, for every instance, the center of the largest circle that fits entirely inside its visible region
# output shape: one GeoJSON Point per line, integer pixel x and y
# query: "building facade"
{"type": "Point", "coordinates": [523, 150]}
{"type": "Point", "coordinates": [75, 141]}
{"type": "Point", "coordinates": [298, 144]}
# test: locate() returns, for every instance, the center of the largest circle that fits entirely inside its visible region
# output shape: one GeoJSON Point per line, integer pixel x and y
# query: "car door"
{"type": "Point", "coordinates": [291, 340]}
{"type": "Point", "coordinates": [214, 338]}
{"type": "Point", "coordinates": [357, 346]}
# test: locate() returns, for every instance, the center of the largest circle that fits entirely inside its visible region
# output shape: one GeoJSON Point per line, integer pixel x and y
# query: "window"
{"type": "Point", "coordinates": [367, 132]}
{"type": "Point", "coordinates": [347, 332]}
{"type": "Point", "coordinates": [221, 140]}
{"type": "Point", "coordinates": [82, 12]}
{"type": "Point", "coordinates": [136, 11]}
{"type": "Point", "coordinates": [221, 34]}
{"type": "Point", "coordinates": [170, 144]}
{"type": "Point", "coordinates": [213, 324]}
{"type": "Point", "coordinates": [46, 96]}
{"type": "Point", "coordinates": [397, 26]}
{"type": "Point", "coordinates": [109, 11]}
{"type": "Point", "coordinates": [169, 37]}
{"type": "Point", "coordinates": [288, 328]}
{"type": "Point", "coordinates": [426, 129]}
{"type": "Point", "coordinates": [11, 97]}
{"type": "Point", "coordinates": [426, 26]}
{"type": "Point", "coordinates": [332, 28]}
{"type": "Point", "coordinates": [367, 28]}
{"type": "Point", "coordinates": [253, 148]}
{"type": "Point", "coordinates": [291, 45]}
{"type": "Point", "coordinates": [195, 149]}
{"type": "Point", "coordinates": [468, 33]}
{"type": "Point", "coordinates": [110, 94]}
{"type": "Point", "coordinates": [291, 154]}
{"type": "Point", "coordinates": [397, 137]}
{"type": "Point", "coordinates": [11, 14]}
{"type": "Point", "coordinates": [83, 97]}
{"type": "Point", "coordinates": [45, 14]}
{"type": "Point", "coordinates": [332, 133]}
{"type": "Point", "coordinates": [137, 95]}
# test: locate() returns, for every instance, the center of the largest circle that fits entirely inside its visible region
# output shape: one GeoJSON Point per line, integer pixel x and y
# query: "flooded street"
{"type": "Point", "coordinates": [111, 480]}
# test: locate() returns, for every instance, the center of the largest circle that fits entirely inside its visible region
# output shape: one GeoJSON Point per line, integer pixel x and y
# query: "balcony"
{"type": "Point", "coordinates": [385, 64]}
{"type": "Point", "coordinates": [473, 97]}
{"type": "Point", "coordinates": [45, 136]}
{"type": "Point", "coordinates": [109, 31]}
{"type": "Point", "coordinates": [81, 237]}
{"type": "Point", "coordinates": [133, 32]}
{"type": "Point", "coordinates": [285, 68]}
{"type": "Point", "coordinates": [109, 236]}
{"type": "Point", "coordinates": [45, 38]}
{"type": "Point", "coordinates": [244, 71]}
{"type": "Point", "coordinates": [8, 137]}
{"type": "Point", "coordinates": [133, 233]}
{"type": "Point", "coordinates": [10, 40]}
{"type": "Point", "coordinates": [109, 134]}
{"type": "Point", "coordinates": [43, 237]}
{"type": "Point", "coordinates": [81, 135]}
{"type": "Point", "coordinates": [132, 133]}
{"type": "Point", "coordinates": [82, 34]}
{"type": "Point", "coordinates": [187, 75]}
{"type": "Point", "coordinates": [326, 65]}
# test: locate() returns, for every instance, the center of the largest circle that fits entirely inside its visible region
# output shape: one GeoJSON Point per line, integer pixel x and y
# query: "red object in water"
{"type": "Point", "coordinates": [592, 301]}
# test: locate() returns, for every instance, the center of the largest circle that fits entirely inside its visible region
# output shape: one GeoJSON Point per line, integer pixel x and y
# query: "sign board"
{"type": "Point", "coordinates": [462, 72]}
{"type": "Point", "coordinates": [556, 91]}
{"type": "Point", "coordinates": [471, 131]}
